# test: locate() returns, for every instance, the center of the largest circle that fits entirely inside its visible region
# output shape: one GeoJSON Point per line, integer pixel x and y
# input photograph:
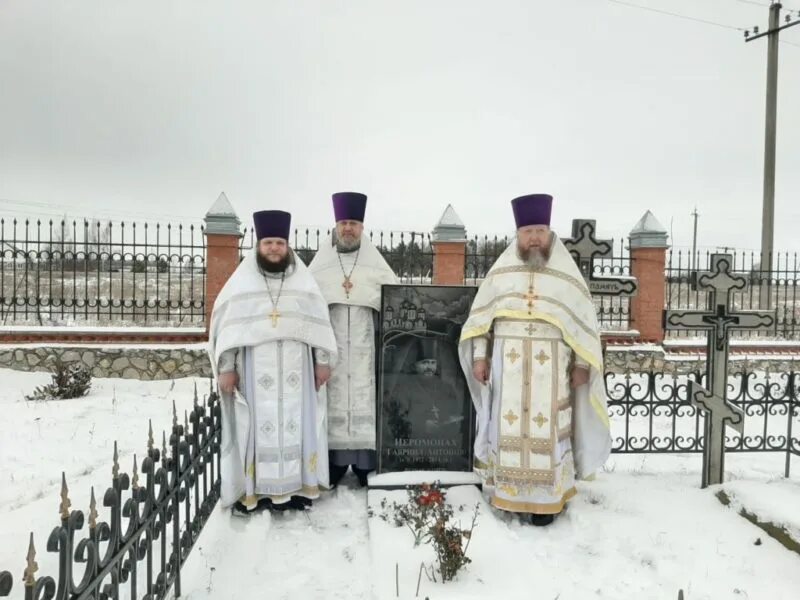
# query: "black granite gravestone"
{"type": "Point", "coordinates": [425, 415]}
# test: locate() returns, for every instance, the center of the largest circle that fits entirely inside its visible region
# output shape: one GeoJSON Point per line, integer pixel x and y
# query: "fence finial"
{"type": "Point", "coordinates": [92, 511]}
{"type": "Point", "coordinates": [135, 479]}
{"type": "Point", "coordinates": [29, 576]}
{"type": "Point", "coordinates": [150, 440]}
{"type": "Point", "coordinates": [115, 467]}
{"type": "Point", "coordinates": [65, 501]}
{"type": "Point", "coordinates": [174, 414]}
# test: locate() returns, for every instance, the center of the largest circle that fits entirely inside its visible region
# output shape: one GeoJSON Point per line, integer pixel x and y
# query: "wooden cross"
{"type": "Point", "coordinates": [719, 321]}
{"type": "Point", "coordinates": [274, 316]}
{"type": "Point", "coordinates": [585, 247]}
{"type": "Point", "coordinates": [347, 285]}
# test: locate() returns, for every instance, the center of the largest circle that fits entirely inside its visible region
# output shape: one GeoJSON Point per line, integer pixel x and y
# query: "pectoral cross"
{"type": "Point", "coordinates": [274, 316]}
{"type": "Point", "coordinates": [347, 285]}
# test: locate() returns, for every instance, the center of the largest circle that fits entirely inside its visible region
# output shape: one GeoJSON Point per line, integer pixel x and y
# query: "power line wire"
{"type": "Point", "coordinates": [677, 15]}
{"type": "Point", "coordinates": [59, 210]}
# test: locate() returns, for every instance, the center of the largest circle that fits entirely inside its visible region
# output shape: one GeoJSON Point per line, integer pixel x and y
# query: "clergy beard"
{"type": "Point", "coordinates": [346, 246]}
{"type": "Point", "coordinates": [272, 267]}
{"type": "Point", "coordinates": [535, 258]}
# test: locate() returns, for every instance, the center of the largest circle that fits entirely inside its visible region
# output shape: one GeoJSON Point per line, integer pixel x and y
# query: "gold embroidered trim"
{"type": "Point", "coordinates": [534, 507]}
{"type": "Point", "coordinates": [581, 285]}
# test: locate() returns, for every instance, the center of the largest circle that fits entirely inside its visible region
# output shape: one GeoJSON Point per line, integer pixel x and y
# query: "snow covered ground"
{"type": "Point", "coordinates": [39, 440]}
{"type": "Point", "coordinates": [643, 529]}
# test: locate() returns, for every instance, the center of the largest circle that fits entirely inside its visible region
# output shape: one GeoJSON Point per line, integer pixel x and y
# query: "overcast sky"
{"type": "Point", "coordinates": [136, 109]}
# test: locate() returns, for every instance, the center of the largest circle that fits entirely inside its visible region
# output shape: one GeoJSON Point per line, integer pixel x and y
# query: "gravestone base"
{"type": "Point", "coordinates": [402, 479]}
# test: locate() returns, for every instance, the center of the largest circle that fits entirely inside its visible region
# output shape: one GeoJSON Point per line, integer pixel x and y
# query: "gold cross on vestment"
{"type": "Point", "coordinates": [540, 420]}
{"type": "Point", "coordinates": [530, 297]}
{"type": "Point", "coordinates": [347, 285]}
{"type": "Point", "coordinates": [513, 355]}
{"type": "Point", "coordinates": [542, 357]}
{"type": "Point", "coordinates": [530, 328]}
{"type": "Point", "coordinates": [274, 316]}
{"type": "Point", "coordinates": [510, 417]}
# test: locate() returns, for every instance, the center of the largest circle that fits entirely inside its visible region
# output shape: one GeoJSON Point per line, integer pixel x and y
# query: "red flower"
{"type": "Point", "coordinates": [436, 497]}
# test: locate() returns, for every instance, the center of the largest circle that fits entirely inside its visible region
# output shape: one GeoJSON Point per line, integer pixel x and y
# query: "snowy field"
{"type": "Point", "coordinates": [643, 529]}
{"type": "Point", "coordinates": [39, 440]}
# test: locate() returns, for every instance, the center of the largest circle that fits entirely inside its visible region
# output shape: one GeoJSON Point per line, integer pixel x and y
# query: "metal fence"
{"type": "Point", "coordinates": [409, 253]}
{"type": "Point", "coordinates": [60, 272]}
{"type": "Point", "coordinates": [773, 286]}
{"type": "Point", "coordinates": [153, 524]}
{"type": "Point", "coordinates": [613, 312]}
{"type": "Point", "coordinates": [650, 413]}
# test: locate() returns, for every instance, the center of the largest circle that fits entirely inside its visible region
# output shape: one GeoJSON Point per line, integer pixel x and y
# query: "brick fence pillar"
{"type": "Point", "coordinates": [449, 249]}
{"type": "Point", "coordinates": [648, 247]}
{"type": "Point", "coordinates": [222, 249]}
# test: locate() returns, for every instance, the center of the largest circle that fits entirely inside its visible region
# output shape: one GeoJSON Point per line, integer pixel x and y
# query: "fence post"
{"type": "Point", "coordinates": [648, 247]}
{"type": "Point", "coordinates": [222, 249]}
{"type": "Point", "coordinates": [449, 249]}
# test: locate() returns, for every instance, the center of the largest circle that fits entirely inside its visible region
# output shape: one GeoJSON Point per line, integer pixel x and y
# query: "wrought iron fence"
{"type": "Point", "coordinates": [152, 527]}
{"type": "Point", "coordinates": [613, 312]}
{"type": "Point", "coordinates": [409, 253]}
{"type": "Point", "coordinates": [773, 286]}
{"type": "Point", "coordinates": [650, 413]}
{"type": "Point", "coordinates": [58, 272]}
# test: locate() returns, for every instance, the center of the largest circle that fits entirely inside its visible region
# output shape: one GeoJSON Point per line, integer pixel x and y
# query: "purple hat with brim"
{"type": "Point", "coordinates": [349, 206]}
{"type": "Point", "coordinates": [533, 209]}
{"type": "Point", "coordinates": [272, 224]}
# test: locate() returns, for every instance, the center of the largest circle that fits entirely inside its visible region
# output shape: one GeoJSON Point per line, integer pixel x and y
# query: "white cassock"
{"type": "Point", "coordinates": [353, 310]}
{"type": "Point", "coordinates": [535, 435]}
{"type": "Point", "coordinates": [273, 427]}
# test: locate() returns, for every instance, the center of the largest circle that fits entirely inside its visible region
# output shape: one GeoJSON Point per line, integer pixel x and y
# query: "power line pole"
{"type": "Point", "coordinates": [770, 136]}
{"type": "Point", "coordinates": [695, 214]}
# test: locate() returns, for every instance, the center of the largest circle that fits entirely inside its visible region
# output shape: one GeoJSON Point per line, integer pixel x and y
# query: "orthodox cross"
{"type": "Point", "coordinates": [584, 248]}
{"type": "Point", "coordinates": [347, 285]}
{"type": "Point", "coordinates": [718, 321]}
{"type": "Point", "coordinates": [274, 316]}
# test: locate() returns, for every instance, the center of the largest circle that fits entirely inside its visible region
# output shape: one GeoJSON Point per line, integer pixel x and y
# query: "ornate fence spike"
{"type": "Point", "coordinates": [65, 504]}
{"type": "Point", "coordinates": [115, 466]}
{"type": "Point", "coordinates": [174, 414]}
{"type": "Point", "coordinates": [29, 576]}
{"type": "Point", "coordinates": [150, 440]}
{"type": "Point", "coordinates": [195, 394]}
{"type": "Point", "coordinates": [135, 479]}
{"type": "Point", "coordinates": [92, 511]}
{"type": "Point", "coordinates": [186, 422]}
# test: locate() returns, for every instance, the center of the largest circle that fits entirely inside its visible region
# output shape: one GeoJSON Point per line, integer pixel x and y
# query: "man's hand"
{"type": "Point", "coordinates": [580, 376]}
{"type": "Point", "coordinates": [228, 382]}
{"type": "Point", "coordinates": [480, 370]}
{"type": "Point", "coordinates": [321, 375]}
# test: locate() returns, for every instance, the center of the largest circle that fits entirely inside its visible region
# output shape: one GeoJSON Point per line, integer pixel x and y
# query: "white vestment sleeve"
{"type": "Point", "coordinates": [322, 357]}
{"type": "Point", "coordinates": [229, 361]}
{"type": "Point", "coordinates": [480, 346]}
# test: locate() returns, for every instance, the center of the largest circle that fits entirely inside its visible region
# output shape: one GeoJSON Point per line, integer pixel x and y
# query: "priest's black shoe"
{"type": "Point", "coordinates": [541, 520]}
{"type": "Point", "coordinates": [362, 476]}
{"type": "Point", "coordinates": [240, 510]}
{"type": "Point", "coordinates": [336, 474]}
{"type": "Point", "coordinates": [299, 503]}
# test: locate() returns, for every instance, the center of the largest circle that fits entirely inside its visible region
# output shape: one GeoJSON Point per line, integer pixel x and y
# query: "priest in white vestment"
{"type": "Point", "coordinates": [350, 272]}
{"type": "Point", "coordinates": [531, 352]}
{"type": "Point", "coordinates": [268, 322]}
